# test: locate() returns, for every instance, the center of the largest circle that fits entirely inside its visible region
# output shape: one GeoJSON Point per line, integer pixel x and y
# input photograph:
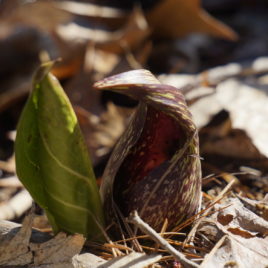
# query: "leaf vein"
{"type": "Point", "coordinates": [78, 175]}
{"type": "Point", "coordinates": [67, 204]}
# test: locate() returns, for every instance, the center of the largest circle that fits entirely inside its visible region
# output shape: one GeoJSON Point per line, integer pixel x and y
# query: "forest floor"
{"type": "Point", "coordinates": [223, 73]}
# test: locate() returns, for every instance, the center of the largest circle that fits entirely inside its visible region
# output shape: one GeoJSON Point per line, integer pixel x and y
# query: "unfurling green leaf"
{"type": "Point", "coordinates": [52, 160]}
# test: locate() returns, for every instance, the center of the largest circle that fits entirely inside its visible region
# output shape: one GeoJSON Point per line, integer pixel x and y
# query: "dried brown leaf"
{"type": "Point", "coordinates": [228, 142]}
{"type": "Point", "coordinates": [239, 220]}
{"type": "Point", "coordinates": [247, 104]}
{"type": "Point", "coordinates": [183, 17]}
{"type": "Point", "coordinates": [240, 246]}
{"type": "Point", "coordinates": [259, 207]}
{"type": "Point", "coordinates": [245, 253]}
{"type": "Point", "coordinates": [16, 248]}
{"type": "Point", "coordinates": [102, 132]}
{"type": "Point", "coordinates": [39, 11]}
{"type": "Point", "coordinates": [131, 36]}
{"type": "Point", "coordinates": [58, 250]}
{"type": "Point", "coordinates": [244, 101]}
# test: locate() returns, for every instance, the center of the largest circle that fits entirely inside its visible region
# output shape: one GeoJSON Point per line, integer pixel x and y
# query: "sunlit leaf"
{"type": "Point", "coordinates": [52, 160]}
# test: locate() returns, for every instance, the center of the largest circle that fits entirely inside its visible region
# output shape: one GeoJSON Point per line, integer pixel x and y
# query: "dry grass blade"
{"type": "Point", "coordinates": [147, 236]}
{"type": "Point", "coordinates": [182, 244]}
{"type": "Point", "coordinates": [164, 228]}
{"type": "Point", "coordinates": [219, 243]}
{"type": "Point", "coordinates": [118, 246]}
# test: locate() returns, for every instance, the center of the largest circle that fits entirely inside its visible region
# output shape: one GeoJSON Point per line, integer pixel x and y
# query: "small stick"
{"type": "Point", "coordinates": [138, 222]}
{"type": "Point", "coordinates": [212, 252]}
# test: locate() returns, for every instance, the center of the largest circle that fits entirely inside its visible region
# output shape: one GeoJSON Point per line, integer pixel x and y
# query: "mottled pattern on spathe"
{"type": "Point", "coordinates": [152, 149]}
{"type": "Point", "coordinates": [155, 166]}
{"type": "Point", "coordinates": [128, 78]}
{"type": "Point", "coordinates": [174, 200]}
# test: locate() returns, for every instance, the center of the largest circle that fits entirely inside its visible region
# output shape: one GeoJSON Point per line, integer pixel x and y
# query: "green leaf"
{"type": "Point", "coordinates": [52, 160]}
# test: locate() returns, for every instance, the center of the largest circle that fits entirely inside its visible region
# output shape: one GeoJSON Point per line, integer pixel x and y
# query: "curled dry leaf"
{"type": "Point", "coordinates": [241, 252]}
{"type": "Point", "coordinates": [239, 220]}
{"type": "Point", "coordinates": [183, 17]}
{"type": "Point", "coordinates": [222, 139]}
{"type": "Point", "coordinates": [243, 134]}
{"type": "Point", "coordinates": [259, 207]}
{"type": "Point", "coordinates": [243, 242]}
{"type": "Point", "coordinates": [247, 104]}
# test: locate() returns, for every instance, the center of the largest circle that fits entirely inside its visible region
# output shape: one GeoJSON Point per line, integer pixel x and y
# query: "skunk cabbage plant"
{"type": "Point", "coordinates": [155, 166]}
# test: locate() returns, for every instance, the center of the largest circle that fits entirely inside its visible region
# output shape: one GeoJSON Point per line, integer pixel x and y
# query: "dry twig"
{"type": "Point", "coordinates": [138, 222]}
